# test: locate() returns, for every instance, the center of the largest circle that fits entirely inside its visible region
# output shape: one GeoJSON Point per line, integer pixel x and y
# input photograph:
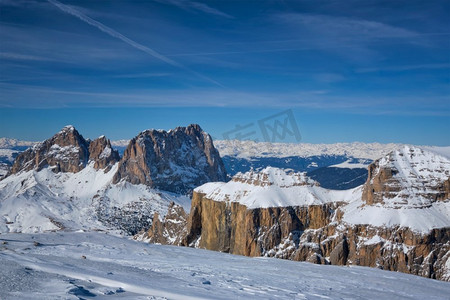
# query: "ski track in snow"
{"type": "Point", "coordinates": [116, 267]}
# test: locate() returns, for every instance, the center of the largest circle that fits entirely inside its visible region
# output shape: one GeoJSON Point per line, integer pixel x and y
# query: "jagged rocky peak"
{"type": "Point", "coordinates": [66, 151]}
{"type": "Point", "coordinates": [408, 177]}
{"type": "Point", "coordinates": [274, 176]}
{"type": "Point", "coordinates": [176, 160]}
{"type": "Point", "coordinates": [102, 153]}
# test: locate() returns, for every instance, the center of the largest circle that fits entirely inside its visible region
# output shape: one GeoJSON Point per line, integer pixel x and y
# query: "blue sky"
{"type": "Point", "coordinates": [370, 71]}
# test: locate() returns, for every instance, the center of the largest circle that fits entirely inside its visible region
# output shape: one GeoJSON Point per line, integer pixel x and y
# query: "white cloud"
{"type": "Point", "coordinates": [344, 27]}
{"type": "Point", "coordinates": [192, 5]}
{"type": "Point", "coordinates": [403, 68]}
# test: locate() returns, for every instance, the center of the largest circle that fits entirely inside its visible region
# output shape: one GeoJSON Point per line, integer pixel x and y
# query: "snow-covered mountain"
{"type": "Point", "coordinates": [273, 187]}
{"type": "Point", "coordinates": [78, 265]}
{"type": "Point", "coordinates": [408, 177]}
{"type": "Point", "coordinates": [40, 201]}
{"type": "Point", "coordinates": [398, 220]}
{"type": "Point", "coordinates": [67, 182]}
{"type": "Point", "coordinates": [7, 143]}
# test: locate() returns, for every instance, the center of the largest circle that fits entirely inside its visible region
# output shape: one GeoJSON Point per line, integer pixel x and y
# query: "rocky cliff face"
{"type": "Point", "coordinates": [66, 151]}
{"type": "Point", "coordinates": [102, 153]}
{"type": "Point", "coordinates": [288, 216]}
{"type": "Point", "coordinates": [177, 160]}
{"type": "Point", "coordinates": [315, 234]}
{"type": "Point", "coordinates": [232, 227]}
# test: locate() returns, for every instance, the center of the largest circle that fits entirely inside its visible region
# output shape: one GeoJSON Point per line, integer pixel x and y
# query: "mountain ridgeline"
{"type": "Point", "coordinates": [176, 160]}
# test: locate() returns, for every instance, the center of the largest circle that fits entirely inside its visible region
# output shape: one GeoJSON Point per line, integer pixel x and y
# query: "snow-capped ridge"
{"type": "Point", "coordinates": [408, 177]}
{"type": "Point", "coordinates": [415, 163]}
{"type": "Point", "coordinates": [68, 128]}
{"type": "Point", "coordinates": [273, 187]}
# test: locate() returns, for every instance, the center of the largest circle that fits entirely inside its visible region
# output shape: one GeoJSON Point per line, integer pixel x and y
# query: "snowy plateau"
{"type": "Point", "coordinates": [69, 234]}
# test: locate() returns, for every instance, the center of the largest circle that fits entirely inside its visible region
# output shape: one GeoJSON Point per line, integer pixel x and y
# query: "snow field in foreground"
{"type": "Point", "coordinates": [75, 265]}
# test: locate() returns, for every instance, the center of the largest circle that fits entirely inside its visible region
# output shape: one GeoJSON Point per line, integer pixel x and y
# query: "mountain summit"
{"type": "Point", "coordinates": [66, 151]}
{"type": "Point", "coordinates": [176, 160]}
{"type": "Point", "coordinates": [409, 176]}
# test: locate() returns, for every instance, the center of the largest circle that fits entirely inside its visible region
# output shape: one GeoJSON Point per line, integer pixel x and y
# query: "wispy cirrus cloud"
{"type": "Point", "coordinates": [332, 33]}
{"type": "Point", "coordinates": [196, 6]}
{"type": "Point", "coordinates": [70, 10]}
{"type": "Point", "coordinates": [404, 68]}
{"type": "Point", "coordinates": [18, 56]}
{"type": "Point", "coordinates": [47, 97]}
{"type": "Point", "coordinates": [345, 27]}
{"type": "Point", "coordinates": [141, 75]}
{"type": "Point", "coordinates": [17, 3]}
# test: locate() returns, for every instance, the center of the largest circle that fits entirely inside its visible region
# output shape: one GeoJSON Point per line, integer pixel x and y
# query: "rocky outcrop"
{"type": "Point", "coordinates": [177, 160]}
{"type": "Point", "coordinates": [408, 176]}
{"type": "Point", "coordinates": [314, 234]}
{"type": "Point", "coordinates": [169, 231]}
{"type": "Point", "coordinates": [102, 153]}
{"type": "Point", "coordinates": [67, 151]}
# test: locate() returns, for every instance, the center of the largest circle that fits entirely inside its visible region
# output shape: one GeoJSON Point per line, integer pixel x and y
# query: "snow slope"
{"type": "Point", "coordinates": [418, 175]}
{"type": "Point", "coordinates": [76, 265]}
{"type": "Point", "coordinates": [443, 151]}
{"type": "Point", "coordinates": [422, 219]}
{"type": "Point", "coordinates": [42, 201]}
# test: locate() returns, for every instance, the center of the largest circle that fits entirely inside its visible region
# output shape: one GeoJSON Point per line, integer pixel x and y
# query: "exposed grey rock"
{"type": "Point", "coordinates": [103, 155]}
{"type": "Point", "coordinates": [176, 160]}
{"type": "Point", "coordinates": [339, 254]}
{"type": "Point", "coordinates": [67, 151]}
